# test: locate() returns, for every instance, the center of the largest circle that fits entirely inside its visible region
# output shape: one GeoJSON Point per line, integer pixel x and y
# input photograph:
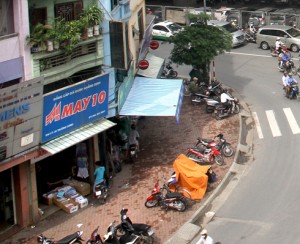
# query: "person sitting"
{"type": "Point", "coordinates": [99, 175]}
{"type": "Point", "coordinates": [226, 100]}
{"type": "Point", "coordinates": [194, 85]}
{"type": "Point", "coordinates": [290, 81]}
{"type": "Point", "coordinates": [278, 45]}
{"type": "Point", "coordinates": [284, 58]}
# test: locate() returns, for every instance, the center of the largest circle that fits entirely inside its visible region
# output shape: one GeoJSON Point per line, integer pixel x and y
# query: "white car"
{"type": "Point", "coordinates": [164, 30]}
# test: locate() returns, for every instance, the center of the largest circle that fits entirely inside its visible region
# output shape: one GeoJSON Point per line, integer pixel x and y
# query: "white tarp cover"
{"type": "Point", "coordinates": [152, 97]}
{"type": "Point", "coordinates": [155, 66]}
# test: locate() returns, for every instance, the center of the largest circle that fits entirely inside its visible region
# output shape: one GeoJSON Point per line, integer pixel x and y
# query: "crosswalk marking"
{"type": "Point", "coordinates": [258, 127]}
{"type": "Point", "coordinates": [273, 123]}
{"type": "Point", "coordinates": [292, 121]}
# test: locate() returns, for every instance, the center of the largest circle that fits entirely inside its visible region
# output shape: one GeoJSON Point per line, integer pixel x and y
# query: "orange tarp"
{"type": "Point", "coordinates": [191, 176]}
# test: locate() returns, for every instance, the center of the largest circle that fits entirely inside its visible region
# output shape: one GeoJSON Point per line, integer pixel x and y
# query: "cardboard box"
{"type": "Point", "coordinates": [48, 198]}
{"type": "Point", "coordinates": [82, 188]}
{"type": "Point", "coordinates": [82, 201]}
{"type": "Point", "coordinates": [66, 204]}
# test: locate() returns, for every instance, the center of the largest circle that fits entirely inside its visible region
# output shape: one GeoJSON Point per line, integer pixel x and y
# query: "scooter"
{"type": "Point", "coordinates": [73, 238]}
{"type": "Point", "coordinates": [222, 112]}
{"type": "Point", "coordinates": [288, 66]}
{"type": "Point", "coordinates": [143, 231]}
{"type": "Point", "coordinates": [294, 91]}
{"type": "Point", "coordinates": [208, 155]}
{"type": "Point", "coordinates": [213, 91]}
{"type": "Point", "coordinates": [172, 200]}
{"type": "Point", "coordinates": [101, 191]}
{"type": "Point", "coordinates": [133, 151]}
{"type": "Point", "coordinates": [169, 72]}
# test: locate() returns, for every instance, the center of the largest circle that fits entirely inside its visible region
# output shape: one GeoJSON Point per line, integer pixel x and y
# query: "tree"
{"type": "Point", "coordinates": [198, 44]}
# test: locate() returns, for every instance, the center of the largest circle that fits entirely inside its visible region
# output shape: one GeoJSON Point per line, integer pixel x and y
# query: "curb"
{"type": "Point", "coordinates": [190, 230]}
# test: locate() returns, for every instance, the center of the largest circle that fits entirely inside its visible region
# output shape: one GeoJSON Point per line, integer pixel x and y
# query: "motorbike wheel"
{"type": "Point", "coordinates": [227, 150]}
{"type": "Point", "coordinates": [218, 116]}
{"type": "Point", "coordinates": [179, 205]}
{"type": "Point", "coordinates": [294, 70]}
{"type": "Point", "coordinates": [151, 203]}
{"type": "Point", "coordinates": [236, 109]}
{"type": "Point", "coordinates": [174, 74]}
{"type": "Point", "coordinates": [196, 100]}
{"type": "Point", "coordinates": [209, 109]}
{"type": "Point", "coordinates": [219, 160]}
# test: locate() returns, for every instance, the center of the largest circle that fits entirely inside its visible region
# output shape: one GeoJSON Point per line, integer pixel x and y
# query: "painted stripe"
{"type": "Point", "coordinates": [292, 121]}
{"type": "Point", "coordinates": [257, 124]}
{"type": "Point", "coordinates": [250, 54]}
{"type": "Point", "coordinates": [273, 124]}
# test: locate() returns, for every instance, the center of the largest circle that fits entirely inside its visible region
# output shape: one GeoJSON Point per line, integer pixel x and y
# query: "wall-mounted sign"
{"type": "Point", "coordinates": [70, 108]}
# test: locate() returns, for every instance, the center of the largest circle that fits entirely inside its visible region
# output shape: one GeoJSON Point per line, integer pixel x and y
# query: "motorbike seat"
{"type": "Point", "coordinates": [174, 195]}
{"type": "Point", "coordinates": [206, 141]}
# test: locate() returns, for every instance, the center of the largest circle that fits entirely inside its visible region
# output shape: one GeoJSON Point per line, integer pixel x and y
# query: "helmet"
{"type": "Point", "coordinates": [290, 74]}
{"type": "Point", "coordinates": [203, 232]}
{"type": "Point", "coordinates": [278, 38]}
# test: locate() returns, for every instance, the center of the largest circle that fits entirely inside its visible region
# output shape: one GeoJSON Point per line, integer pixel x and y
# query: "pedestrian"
{"type": "Point", "coordinates": [82, 162]}
{"type": "Point", "coordinates": [290, 81]}
{"type": "Point", "coordinates": [205, 238]}
{"type": "Point", "coordinates": [134, 137]}
{"type": "Point", "coordinates": [284, 79]}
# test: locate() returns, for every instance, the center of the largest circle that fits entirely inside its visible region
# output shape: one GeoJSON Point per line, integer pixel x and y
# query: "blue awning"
{"type": "Point", "coordinates": [153, 97]}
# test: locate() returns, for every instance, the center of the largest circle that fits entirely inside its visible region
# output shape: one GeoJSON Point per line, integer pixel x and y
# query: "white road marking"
{"type": "Point", "coordinates": [273, 124]}
{"type": "Point", "coordinates": [250, 54]}
{"type": "Point", "coordinates": [292, 121]}
{"type": "Point", "coordinates": [257, 124]}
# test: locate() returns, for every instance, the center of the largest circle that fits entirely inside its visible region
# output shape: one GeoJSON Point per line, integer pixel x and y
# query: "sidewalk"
{"type": "Point", "coordinates": [162, 140]}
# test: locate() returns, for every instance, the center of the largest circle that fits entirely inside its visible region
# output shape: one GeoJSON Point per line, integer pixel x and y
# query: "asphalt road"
{"type": "Point", "coordinates": [263, 207]}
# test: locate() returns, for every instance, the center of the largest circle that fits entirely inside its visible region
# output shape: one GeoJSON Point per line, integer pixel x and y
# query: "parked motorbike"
{"type": "Point", "coordinates": [73, 238]}
{"type": "Point", "coordinates": [211, 104]}
{"type": "Point", "coordinates": [101, 191]}
{"type": "Point", "coordinates": [222, 112]}
{"type": "Point", "coordinates": [212, 91]}
{"type": "Point", "coordinates": [209, 154]}
{"type": "Point", "coordinates": [173, 200]}
{"type": "Point", "coordinates": [133, 152]}
{"type": "Point", "coordinates": [222, 145]}
{"type": "Point", "coordinates": [169, 72]}
{"type": "Point", "coordinates": [143, 231]}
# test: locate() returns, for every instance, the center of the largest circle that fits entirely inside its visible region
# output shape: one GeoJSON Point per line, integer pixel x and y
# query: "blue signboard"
{"type": "Point", "coordinates": [70, 108]}
{"type": "Point", "coordinates": [179, 104]}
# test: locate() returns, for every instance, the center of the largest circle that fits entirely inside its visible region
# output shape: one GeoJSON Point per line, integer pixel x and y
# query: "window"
{"type": "Point", "coordinates": [141, 24]}
{"type": "Point", "coordinates": [6, 17]}
{"type": "Point", "coordinates": [69, 11]}
{"type": "Point", "coordinates": [114, 3]}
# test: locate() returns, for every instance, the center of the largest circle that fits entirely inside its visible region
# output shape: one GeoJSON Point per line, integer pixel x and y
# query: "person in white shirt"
{"type": "Point", "coordinates": [284, 79]}
{"type": "Point", "coordinates": [225, 100]}
{"type": "Point", "coordinates": [205, 238]}
{"type": "Point", "coordinates": [278, 44]}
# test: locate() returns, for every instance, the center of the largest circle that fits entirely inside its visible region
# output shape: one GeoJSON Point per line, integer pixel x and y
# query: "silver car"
{"type": "Point", "coordinates": [238, 36]}
{"type": "Point", "coordinates": [266, 36]}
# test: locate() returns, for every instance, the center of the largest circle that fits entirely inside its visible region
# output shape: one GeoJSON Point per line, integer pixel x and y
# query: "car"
{"type": "Point", "coordinates": [290, 36]}
{"type": "Point", "coordinates": [238, 36]}
{"type": "Point", "coordinates": [222, 13]}
{"type": "Point", "coordinates": [280, 18]}
{"type": "Point", "coordinates": [164, 30]}
{"type": "Point", "coordinates": [258, 17]}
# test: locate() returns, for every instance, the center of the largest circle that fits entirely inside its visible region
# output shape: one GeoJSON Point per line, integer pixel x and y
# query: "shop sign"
{"type": "Point", "coordinates": [20, 117]}
{"type": "Point", "coordinates": [70, 108]}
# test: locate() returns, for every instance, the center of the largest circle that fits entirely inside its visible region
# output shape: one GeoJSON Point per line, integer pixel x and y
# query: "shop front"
{"type": "Point", "coordinates": [73, 125]}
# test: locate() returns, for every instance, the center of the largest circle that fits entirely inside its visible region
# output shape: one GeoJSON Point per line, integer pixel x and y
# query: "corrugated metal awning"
{"type": "Point", "coordinates": [70, 139]}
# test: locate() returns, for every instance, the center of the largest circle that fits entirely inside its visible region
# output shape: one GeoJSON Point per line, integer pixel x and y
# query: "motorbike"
{"type": "Point", "coordinates": [211, 104]}
{"type": "Point", "coordinates": [73, 238]}
{"type": "Point", "coordinates": [294, 91]}
{"type": "Point", "coordinates": [172, 200]}
{"type": "Point", "coordinates": [250, 36]}
{"type": "Point", "coordinates": [126, 227]}
{"type": "Point", "coordinates": [208, 154]}
{"type": "Point", "coordinates": [222, 145]}
{"type": "Point", "coordinates": [169, 72]}
{"type": "Point", "coordinates": [101, 191]}
{"type": "Point", "coordinates": [222, 112]}
{"type": "Point", "coordinates": [212, 91]}
{"type": "Point", "coordinates": [274, 52]}
{"type": "Point", "coordinates": [287, 66]}
{"type": "Point", "coordinates": [133, 151]}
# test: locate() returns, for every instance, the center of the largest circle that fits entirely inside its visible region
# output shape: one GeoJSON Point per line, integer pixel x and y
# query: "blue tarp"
{"type": "Point", "coordinates": [153, 97]}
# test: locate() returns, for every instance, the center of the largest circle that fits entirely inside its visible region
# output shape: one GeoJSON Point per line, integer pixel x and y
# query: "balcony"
{"type": "Point", "coordinates": [58, 65]}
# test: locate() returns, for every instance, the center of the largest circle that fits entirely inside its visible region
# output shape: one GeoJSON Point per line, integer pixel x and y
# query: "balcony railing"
{"type": "Point", "coordinates": [58, 65]}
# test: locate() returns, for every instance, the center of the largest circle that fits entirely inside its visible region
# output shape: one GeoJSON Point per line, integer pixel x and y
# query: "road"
{"type": "Point", "coordinates": [263, 207]}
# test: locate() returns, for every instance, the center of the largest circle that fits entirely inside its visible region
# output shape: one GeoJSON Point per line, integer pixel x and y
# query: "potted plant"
{"type": "Point", "coordinates": [55, 33]}
{"type": "Point", "coordinates": [37, 38]}
{"type": "Point", "coordinates": [92, 16]}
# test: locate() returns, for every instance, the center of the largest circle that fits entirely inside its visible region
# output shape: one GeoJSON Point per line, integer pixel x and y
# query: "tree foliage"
{"type": "Point", "coordinates": [198, 44]}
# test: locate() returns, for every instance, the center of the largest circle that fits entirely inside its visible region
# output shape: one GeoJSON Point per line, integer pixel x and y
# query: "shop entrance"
{"type": "Point", "coordinates": [6, 200]}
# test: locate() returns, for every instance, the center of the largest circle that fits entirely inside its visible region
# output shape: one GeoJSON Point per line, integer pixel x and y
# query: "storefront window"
{"type": "Point", "coordinates": [6, 200]}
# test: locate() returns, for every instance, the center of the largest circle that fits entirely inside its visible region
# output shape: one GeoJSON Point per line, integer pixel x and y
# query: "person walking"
{"type": "Point", "coordinates": [205, 238]}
